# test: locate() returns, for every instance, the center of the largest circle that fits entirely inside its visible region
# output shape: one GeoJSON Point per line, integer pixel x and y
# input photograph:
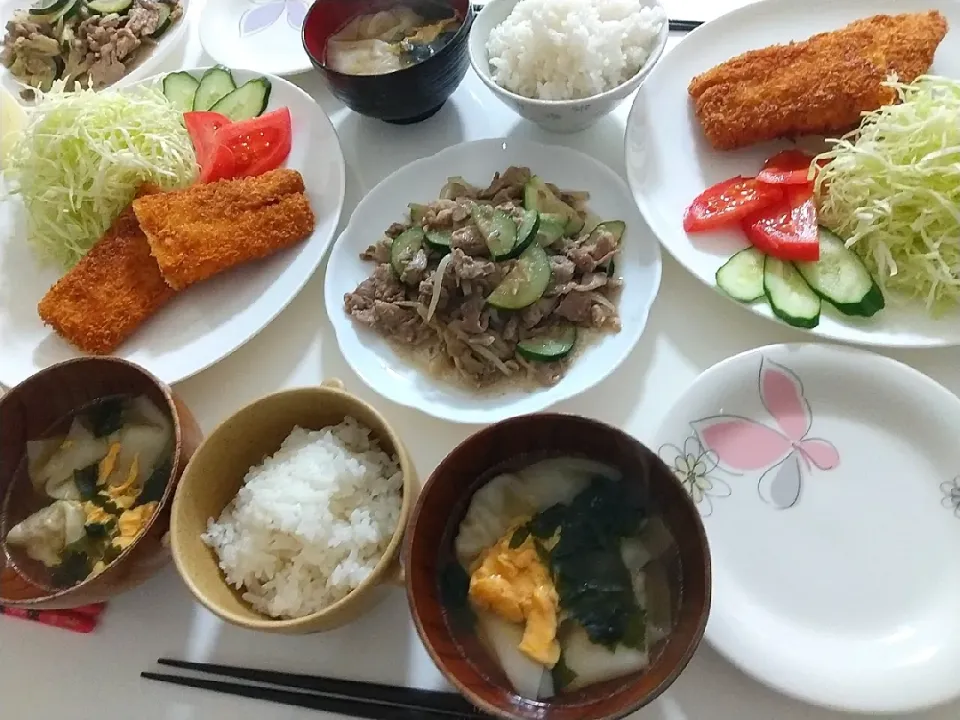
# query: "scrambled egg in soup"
{"type": "Point", "coordinates": [516, 585]}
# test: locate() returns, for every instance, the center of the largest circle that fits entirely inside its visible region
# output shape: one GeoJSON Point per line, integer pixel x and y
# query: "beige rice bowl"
{"type": "Point", "coordinates": [572, 49]}
{"type": "Point", "coordinates": [311, 522]}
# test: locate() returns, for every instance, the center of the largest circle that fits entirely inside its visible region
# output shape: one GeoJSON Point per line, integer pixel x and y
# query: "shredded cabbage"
{"type": "Point", "coordinates": [83, 155]}
{"type": "Point", "coordinates": [892, 189]}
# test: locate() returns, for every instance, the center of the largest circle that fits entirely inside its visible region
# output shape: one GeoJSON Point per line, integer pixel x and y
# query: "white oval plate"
{"type": "Point", "coordinates": [148, 67]}
{"type": "Point", "coordinates": [261, 35]}
{"type": "Point", "coordinates": [829, 483]}
{"type": "Point", "coordinates": [669, 162]}
{"type": "Point", "coordinates": [382, 369]}
{"type": "Point", "coordinates": [207, 322]}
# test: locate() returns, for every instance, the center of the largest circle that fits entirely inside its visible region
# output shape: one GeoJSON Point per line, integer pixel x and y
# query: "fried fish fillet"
{"type": "Point", "coordinates": [114, 288]}
{"type": "Point", "coordinates": [206, 229]}
{"type": "Point", "coordinates": [819, 86]}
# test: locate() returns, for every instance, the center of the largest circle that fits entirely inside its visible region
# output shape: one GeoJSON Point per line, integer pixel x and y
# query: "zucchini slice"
{"type": "Point", "coordinates": [404, 247]}
{"type": "Point", "coordinates": [526, 283]}
{"type": "Point", "coordinates": [498, 230]}
{"type": "Point", "coordinates": [790, 298]}
{"type": "Point", "coordinates": [551, 346]}
{"type": "Point", "coordinates": [537, 196]}
{"type": "Point", "coordinates": [741, 277]}
{"type": "Point", "coordinates": [164, 23]}
{"type": "Point", "coordinates": [439, 240]}
{"type": "Point", "coordinates": [841, 278]}
{"type": "Point", "coordinates": [108, 7]}
{"type": "Point", "coordinates": [552, 228]}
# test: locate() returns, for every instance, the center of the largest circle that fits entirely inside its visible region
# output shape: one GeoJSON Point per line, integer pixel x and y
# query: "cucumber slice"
{"type": "Point", "coordinates": [537, 196]}
{"type": "Point", "coordinates": [404, 247]}
{"type": "Point", "coordinates": [526, 231]}
{"type": "Point", "coordinates": [741, 277]}
{"type": "Point", "coordinates": [215, 84]}
{"type": "Point", "coordinates": [552, 228]}
{"type": "Point", "coordinates": [164, 23]}
{"type": "Point", "coordinates": [247, 101]}
{"type": "Point", "coordinates": [841, 278]}
{"type": "Point", "coordinates": [526, 283]}
{"type": "Point", "coordinates": [439, 240]}
{"type": "Point", "coordinates": [180, 88]}
{"type": "Point", "coordinates": [611, 268]}
{"type": "Point", "coordinates": [498, 230]}
{"type": "Point", "coordinates": [615, 227]}
{"type": "Point", "coordinates": [549, 347]}
{"type": "Point", "coordinates": [108, 7]}
{"type": "Point", "coordinates": [790, 298]}
{"type": "Point", "coordinates": [44, 8]}
{"type": "Point", "coordinates": [417, 213]}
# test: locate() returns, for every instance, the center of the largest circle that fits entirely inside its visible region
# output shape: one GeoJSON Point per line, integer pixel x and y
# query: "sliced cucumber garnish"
{"type": "Point", "coordinates": [741, 277]}
{"type": "Point", "coordinates": [526, 231]}
{"type": "Point", "coordinates": [404, 247]}
{"type": "Point", "coordinates": [841, 278]}
{"type": "Point", "coordinates": [498, 230]}
{"type": "Point", "coordinates": [417, 213]}
{"type": "Point", "coordinates": [215, 84]}
{"type": "Point", "coordinates": [790, 298]}
{"type": "Point", "coordinates": [552, 346]}
{"type": "Point", "coordinates": [537, 196]}
{"type": "Point", "coordinates": [439, 240]}
{"type": "Point", "coordinates": [51, 12]}
{"type": "Point", "coordinates": [108, 7]}
{"type": "Point", "coordinates": [552, 228]}
{"type": "Point", "coordinates": [164, 22]}
{"type": "Point", "coordinates": [180, 88]}
{"type": "Point", "coordinates": [247, 101]}
{"type": "Point", "coordinates": [526, 283]}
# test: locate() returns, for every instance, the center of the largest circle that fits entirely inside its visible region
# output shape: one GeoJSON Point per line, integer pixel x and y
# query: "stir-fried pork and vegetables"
{"type": "Point", "coordinates": [494, 283]}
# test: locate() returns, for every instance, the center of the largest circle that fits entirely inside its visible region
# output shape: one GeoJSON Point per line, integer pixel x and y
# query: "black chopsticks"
{"type": "Point", "coordinates": [679, 26]}
{"type": "Point", "coordinates": [345, 697]}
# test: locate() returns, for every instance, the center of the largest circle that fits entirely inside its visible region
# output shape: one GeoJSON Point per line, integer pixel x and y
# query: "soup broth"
{"type": "Point", "coordinates": [563, 575]}
{"type": "Point", "coordinates": [390, 40]}
{"type": "Point", "coordinates": [87, 489]}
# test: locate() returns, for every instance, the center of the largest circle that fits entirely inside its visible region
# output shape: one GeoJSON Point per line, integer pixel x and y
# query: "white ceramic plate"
{"type": "Point", "coordinates": [384, 371]}
{"type": "Point", "coordinates": [829, 483]}
{"type": "Point", "coordinates": [669, 161]}
{"type": "Point", "coordinates": [207, 322]}
{"type": "Point", "coordinates": [261, 35]}
{"type": "Point", "coordinates": [148, 67]}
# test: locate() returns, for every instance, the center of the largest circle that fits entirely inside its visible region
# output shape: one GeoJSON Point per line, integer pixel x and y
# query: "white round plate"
{"type": "Point", "coordinates": [382, 369]}
{"type": "Point", "coordinates": [828, 479]}
{"type": "Point", "coordinates": [148, 67]}
{"type": "Point", "coordinates": [669, 161]}
{"type": "Point", "coordinates": [210, 320]}
{"type": "Point", "coordinates": [261, 35]}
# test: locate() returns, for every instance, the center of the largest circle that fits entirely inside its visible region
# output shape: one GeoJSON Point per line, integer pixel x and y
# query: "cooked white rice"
{"type": "Point", "coordinates": [569, 49]}
{"type": "Point", "coordinates": [311, 522]}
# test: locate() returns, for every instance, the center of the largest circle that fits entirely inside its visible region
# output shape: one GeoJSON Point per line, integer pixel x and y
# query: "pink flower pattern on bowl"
{"type": "Point", "coordinates": [265, 14]}
{"type": "Point", "coordinates": [782, 452]}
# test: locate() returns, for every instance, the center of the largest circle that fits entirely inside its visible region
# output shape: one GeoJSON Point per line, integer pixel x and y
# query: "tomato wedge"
{"type": "Point", "coordinates": [728, 202]}
{"type": "Point", "coordinates": [202, 127]}
{"type": "Point", "coordinates": [257, 145]}
{"type": "Point", "coordinates": [787, 229]}
{"type": "Point", "coordinates": [789, 167]}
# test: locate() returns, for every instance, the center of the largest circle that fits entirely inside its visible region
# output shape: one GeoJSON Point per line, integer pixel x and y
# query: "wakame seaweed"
{"type": "Point", "coordinates": [86, 481]}
{"type": "Point", "coordinates": [106, 417]}
{"type": "Point", "coordinates": [156, 484]}
{"type": "Point", "coordinates": [594, 584]}
{"type": "Point", "coordinates": [75, 565]}
{"type": "Point", "coordinates": [455, 592]}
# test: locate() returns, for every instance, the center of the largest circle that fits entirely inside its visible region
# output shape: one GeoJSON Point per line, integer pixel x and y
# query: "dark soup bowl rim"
{"type": "Point", "coordinates": [525, 708]}
{"type": "Point", "coordinates": [462, 32]}
{"type": "Point", "coordinates": [170, 409]}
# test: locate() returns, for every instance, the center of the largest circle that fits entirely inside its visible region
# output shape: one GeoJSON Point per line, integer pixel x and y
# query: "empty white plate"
{"type": "Point", "coordinates": [260, 35]}
{"type": "Point", "coordinates": [829, 483]}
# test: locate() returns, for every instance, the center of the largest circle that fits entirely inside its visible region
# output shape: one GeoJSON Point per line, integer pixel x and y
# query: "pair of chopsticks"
{"type": "Point", "coordinates": [80, 620]}
{"type": "Point", "coordinates": [680, 26]}
{"type": "Point", "coordinates": [344, 697]}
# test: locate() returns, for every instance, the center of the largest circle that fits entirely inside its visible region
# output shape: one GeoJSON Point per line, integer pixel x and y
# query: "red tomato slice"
{"type": "Point", "coordinates": [202, 127]}
{"type": "Point", "coordinates": [788, 229]}
{"type": "Point", "coordinates": [257, 145]}
{"type": "Point", "coordinates": [789, 167]}
{"type": "Point", "coordinates": [728, 202]}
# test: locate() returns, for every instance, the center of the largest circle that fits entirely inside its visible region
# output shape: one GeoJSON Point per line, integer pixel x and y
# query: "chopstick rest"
{"type": "Point", "coordinates": [80, 620]}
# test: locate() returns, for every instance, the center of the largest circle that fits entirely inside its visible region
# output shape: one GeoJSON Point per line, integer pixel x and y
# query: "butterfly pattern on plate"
{"type": "Point", "coordinates": [265, 14]}
{"type": "Point", "coordinates": [783, 452]}
{"type": "Point", "coordinates": [951, 495]}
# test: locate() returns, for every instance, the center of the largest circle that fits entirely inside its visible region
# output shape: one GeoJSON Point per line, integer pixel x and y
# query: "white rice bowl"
{"type": "Point", "coordinates": [572, 49]}
{"type": "Point", "coordinates": [311, 522]}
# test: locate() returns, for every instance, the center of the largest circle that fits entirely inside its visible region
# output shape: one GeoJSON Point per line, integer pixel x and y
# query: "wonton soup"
{"type": "Point", "coordinates": [390, 40]}
{"type": "Point", "coordinates": [564, 574]}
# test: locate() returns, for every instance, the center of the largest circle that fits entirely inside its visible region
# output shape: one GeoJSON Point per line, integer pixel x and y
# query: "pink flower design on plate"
{"type": "Point", "coordinates": [264, 14]}
{"type": "Point", "coordinates": [782, 451]}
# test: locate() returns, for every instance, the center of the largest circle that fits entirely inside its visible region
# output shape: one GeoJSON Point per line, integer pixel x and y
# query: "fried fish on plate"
{"type": "Point", "coordinates": [114, 288]}
{"type": "Point", "coordinates": [208, 228]}
{"type": "Point", "coordinates": [819, 86]}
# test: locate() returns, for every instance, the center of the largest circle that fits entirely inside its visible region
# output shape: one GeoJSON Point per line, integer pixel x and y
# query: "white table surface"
{"type": "Point", "coordinates": [48, 674]}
